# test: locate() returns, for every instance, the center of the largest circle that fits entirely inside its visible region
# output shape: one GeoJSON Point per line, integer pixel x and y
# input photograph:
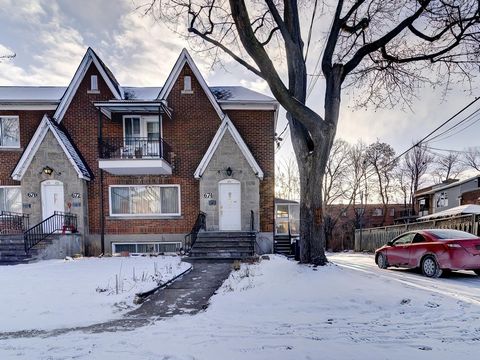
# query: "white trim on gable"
{"type": "Point", "coordinates": [183, 59]}
{"type": "Point", "coordinates": [224, 126]}
{"type": "Point", "coordinates": [87, 60]}
{"type": "Point", "coordinates": [32, 149]}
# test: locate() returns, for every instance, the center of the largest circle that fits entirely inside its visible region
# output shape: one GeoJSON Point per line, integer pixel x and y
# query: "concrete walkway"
{"type": "Point", "coordinates": [190, 293]}
{"type": "Point", "coordinates": [187, 295]}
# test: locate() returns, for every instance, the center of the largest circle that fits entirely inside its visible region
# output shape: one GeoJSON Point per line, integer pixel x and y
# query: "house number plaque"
{"type": "Point", "coordinates": [207, 195]}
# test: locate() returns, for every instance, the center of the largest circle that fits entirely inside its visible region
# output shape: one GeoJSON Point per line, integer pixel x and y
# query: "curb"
{"type": "Point", "coordinates": [141, 297]}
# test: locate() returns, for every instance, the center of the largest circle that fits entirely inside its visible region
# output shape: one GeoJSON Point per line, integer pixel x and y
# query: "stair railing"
{"type": "Point", "coordinates": [13, 222]}
{"type": "Point", "coordinates": [200, 224]}
{"type": "Point", "coordinates": [59, 222]}
{"type": "Point", "coordinates": [252, 229]}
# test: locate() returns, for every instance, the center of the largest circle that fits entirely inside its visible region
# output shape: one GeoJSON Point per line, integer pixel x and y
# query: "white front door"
{"type": "Point", "coordinates": [229, 205]}
{"type": "Point", "coordinates": [52, 198]}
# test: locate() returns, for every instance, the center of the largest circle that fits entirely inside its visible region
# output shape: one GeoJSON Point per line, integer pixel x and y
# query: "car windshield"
{"type": "Point", "coordinates": [446, 234]}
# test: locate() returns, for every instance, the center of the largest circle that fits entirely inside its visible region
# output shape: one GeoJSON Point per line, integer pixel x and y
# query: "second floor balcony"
{"type": "Point", "coordinates": [135, 156]}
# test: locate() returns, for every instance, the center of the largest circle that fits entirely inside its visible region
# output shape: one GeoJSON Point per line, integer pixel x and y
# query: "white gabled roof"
{"type": "Point", "coordinates": [224, 126]}
{"type": "Point", "coordinates": [65, 143]}
{"type": "Point", "coordinates": [87, 60]}
{"type": "Point", "coordinates": [183, 59]}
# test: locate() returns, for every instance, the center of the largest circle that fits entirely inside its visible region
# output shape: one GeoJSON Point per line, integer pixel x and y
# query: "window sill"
{"type": "Point", "coordinates": [93, 91]}
{"type": "Point", "coordinates": [146, 217]}
{"type": "Point", "coordinates": [8, 148]}
{"type": "Point", "coordinates": [186, 92]}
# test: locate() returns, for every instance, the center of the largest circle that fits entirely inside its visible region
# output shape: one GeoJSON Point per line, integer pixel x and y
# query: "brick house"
{"type": "Point", "coordinates": [137, 165]}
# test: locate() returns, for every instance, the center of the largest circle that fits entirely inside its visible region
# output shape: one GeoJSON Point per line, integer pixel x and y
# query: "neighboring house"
{"type": "Point", "coordinates": [447, 195]}
{"type": "Point", "coordinates": [344, 220]}
{"type": "Point", "coordinates": [137, 165]}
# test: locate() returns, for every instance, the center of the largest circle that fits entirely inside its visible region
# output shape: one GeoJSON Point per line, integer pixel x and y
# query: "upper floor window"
{"type": "Point", "coordinates": [9, 131]}
{"type": "Point", "coordinates": [377, 212]}
{"type": "Point", "coordinates": [442, 199]}
{"type": "Point", "coordinates": [11, 199]}
{"type": "Point", "coordinates": [94, 83]}
{"type": "Point", "coordinates": [187, 85]}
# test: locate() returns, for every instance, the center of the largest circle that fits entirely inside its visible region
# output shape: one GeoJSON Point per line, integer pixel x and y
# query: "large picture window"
{"type": "Point", "coordinates": [9, 131]}
{"type": "Point", "coordinates": [147, 200]}
{"type": "Point", "coordinates": [11, 199]}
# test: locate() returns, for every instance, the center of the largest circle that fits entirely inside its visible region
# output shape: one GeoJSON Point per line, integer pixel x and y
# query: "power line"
{"type": "Point", "coordinates": [469, 117]}
{"type": "Point", "coordinates": [310, 29]}
{"type": "Point", "coordinates": [476, 120]}
{"type": "Point", "coordinates": [425, 137]}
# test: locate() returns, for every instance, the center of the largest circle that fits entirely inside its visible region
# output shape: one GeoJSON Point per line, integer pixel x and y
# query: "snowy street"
{"type": "Point", "coordinates": [278, 309]}
{"type": "Point", "coordinates": [460, 285]}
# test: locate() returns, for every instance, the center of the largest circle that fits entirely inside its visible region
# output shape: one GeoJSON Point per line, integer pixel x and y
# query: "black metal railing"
{"type": "Point", "coordinates": [252, 229]}
{"type": "Point", "coordinates": [13, 222]}
{"type": "Point", "coordinates": [200, 224]}
{"type": "Point", "coordinates": [134, 148]}
{"type": "Point", "coordinates": [57, 223]}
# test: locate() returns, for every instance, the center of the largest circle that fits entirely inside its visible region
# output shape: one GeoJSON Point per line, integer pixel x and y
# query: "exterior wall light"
{"type": "Point", "coordinates": [47, 170]}
{"type": "Point", "coordinates": [229, 171]}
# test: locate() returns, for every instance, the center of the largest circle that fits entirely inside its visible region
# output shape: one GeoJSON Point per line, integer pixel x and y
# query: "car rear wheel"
{"type": "Point", "coordinates": [477, 272]}
{"type": "Point", "coordinates": [430, 267]}
{"type": "Point", "coordinates": [382, 261]}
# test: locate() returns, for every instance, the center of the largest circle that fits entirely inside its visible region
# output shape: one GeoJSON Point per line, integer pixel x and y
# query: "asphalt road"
{"type": "Point", "coordinates": [461, 285]}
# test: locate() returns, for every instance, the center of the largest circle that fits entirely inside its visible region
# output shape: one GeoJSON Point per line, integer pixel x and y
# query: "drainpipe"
{"type": "Point", "coordinates": [102, 219]}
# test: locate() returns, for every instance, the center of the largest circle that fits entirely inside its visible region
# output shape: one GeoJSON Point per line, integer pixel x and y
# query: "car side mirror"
{"type": "Point", "coordinates": [390, 243]}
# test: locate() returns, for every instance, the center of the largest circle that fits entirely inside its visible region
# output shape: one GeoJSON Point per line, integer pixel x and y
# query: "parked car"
{"type": "Point", "coordinates": [434, 251]}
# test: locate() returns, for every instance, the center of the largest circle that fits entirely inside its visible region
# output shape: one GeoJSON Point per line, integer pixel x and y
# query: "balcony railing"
{"type": "Point", "coordinates": [134, 148]}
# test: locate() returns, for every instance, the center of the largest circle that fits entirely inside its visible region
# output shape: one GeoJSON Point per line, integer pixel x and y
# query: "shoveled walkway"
{"type": "Point", "coordinates": [187, 295]}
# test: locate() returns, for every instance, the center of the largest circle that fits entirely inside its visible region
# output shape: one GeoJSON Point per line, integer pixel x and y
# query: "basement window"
{"type": "Point", "coordinates": [187, 85]}
{"type": "Point", "coordinates": [146, 248]}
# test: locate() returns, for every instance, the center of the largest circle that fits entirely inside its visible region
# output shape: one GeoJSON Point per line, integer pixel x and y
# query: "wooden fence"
{"type": "Point", "coordinates": [373, 238]}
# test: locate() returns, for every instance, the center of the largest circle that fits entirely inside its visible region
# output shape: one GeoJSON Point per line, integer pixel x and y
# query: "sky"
{"type": "Point", "coordinates": [50, 37]}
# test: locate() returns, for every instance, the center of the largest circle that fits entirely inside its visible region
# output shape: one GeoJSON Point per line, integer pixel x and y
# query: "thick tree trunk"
{"type": "Point", "coordinates": [312, 151]}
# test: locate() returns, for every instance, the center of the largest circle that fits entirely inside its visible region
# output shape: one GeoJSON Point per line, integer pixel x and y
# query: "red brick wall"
{"type": "Point", "coordinates": [29, 120]}
{"type": "Point", "coordinates": [471, 198]}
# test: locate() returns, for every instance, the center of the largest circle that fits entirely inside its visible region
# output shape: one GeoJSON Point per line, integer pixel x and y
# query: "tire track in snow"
{"type": "Point", "coordinates": [463, 289]}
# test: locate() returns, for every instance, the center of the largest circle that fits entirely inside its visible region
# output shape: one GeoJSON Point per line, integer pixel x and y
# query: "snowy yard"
{"type": "Point", "coordinates": [57, 293]}
{"type": "Point", "coordinates": [281, 310]}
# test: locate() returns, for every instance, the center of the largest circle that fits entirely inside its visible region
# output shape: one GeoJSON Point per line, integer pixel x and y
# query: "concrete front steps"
{"type": "Point", "coordinates": [12, 250]}
{"type": "Point", "coordinates": [223, 245]}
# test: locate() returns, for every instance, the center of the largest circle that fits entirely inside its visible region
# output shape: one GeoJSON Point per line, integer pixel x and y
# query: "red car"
{"type": "Point", "coordinates": [433, 251]}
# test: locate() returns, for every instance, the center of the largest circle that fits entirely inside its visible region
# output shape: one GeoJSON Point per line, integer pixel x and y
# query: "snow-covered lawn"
{"type": "Point", "coordinates": [281, 310]}
{"type": "Point", "coordinates": [65, 293]}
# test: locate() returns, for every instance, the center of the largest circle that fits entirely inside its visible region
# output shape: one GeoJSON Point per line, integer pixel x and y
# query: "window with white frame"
{"type": "Point", "coordinates": [11, 199]}
{"type": "Point", "coordinates": [9, 132]}
{"type": "Point", "coordinates": [138, 200]}
{"type": "Point", "coordinates": [187, 85]}
{"type": "Point", "coordinates": [94, 83]}
{"type": "Point", "coordinates": [441, 199]}
{"type": "Point", "coordinates": [146, 248]}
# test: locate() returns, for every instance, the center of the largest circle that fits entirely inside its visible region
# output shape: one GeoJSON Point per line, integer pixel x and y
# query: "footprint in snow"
{"type": "Point", "coordinates": [425, 348]}
{"type": "Point", "coordinates": [432, 305]}
{"type": "Point", "coordinates": [405, 301]}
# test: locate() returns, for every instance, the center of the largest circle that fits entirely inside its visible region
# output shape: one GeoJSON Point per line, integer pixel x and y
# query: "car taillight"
{"type": "Point", "coordinates": [454, 245]}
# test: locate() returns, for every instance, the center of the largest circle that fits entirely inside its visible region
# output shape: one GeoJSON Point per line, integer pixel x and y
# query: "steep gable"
{"type": "Point", "coordinates": [88, 59]}
{"type": "Point", "coordinates": [65, 143]}
{"type": "Point", "coordinates": [225, 126]}
{"type": "Point", "coordinates": [186, 61]}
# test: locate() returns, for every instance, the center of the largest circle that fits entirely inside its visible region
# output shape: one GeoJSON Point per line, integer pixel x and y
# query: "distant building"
{"type": "Point", "coordinates": [447, 195]}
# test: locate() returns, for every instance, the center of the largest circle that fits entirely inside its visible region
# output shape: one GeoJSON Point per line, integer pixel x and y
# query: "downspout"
{"type": "Point", "coordinates": [102, 218]}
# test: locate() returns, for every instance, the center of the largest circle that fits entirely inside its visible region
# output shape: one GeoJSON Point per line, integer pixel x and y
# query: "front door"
{"type": "Point", "coordinates": [230, 205]}
{"type": "Point", "coordinates": [52, 198]}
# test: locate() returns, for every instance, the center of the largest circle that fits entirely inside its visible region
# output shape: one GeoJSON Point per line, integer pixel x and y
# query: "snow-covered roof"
{"type": "Point", "coordinates": [31, 93]}
{"type": "Point", "coordinates": [238, 94]}
{"type": "Point", "coordinates": [459, 210]}
{"type": "Point", "coordinates": [222, 94]}
{"type": "Point", "coordinates": [63, 139]}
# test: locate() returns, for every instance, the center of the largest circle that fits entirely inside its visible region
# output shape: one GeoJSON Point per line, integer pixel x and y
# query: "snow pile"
{"type": "Point", "coordinates": [65, 293]}
{"type": "Point", "coordinates": [281, 310]}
